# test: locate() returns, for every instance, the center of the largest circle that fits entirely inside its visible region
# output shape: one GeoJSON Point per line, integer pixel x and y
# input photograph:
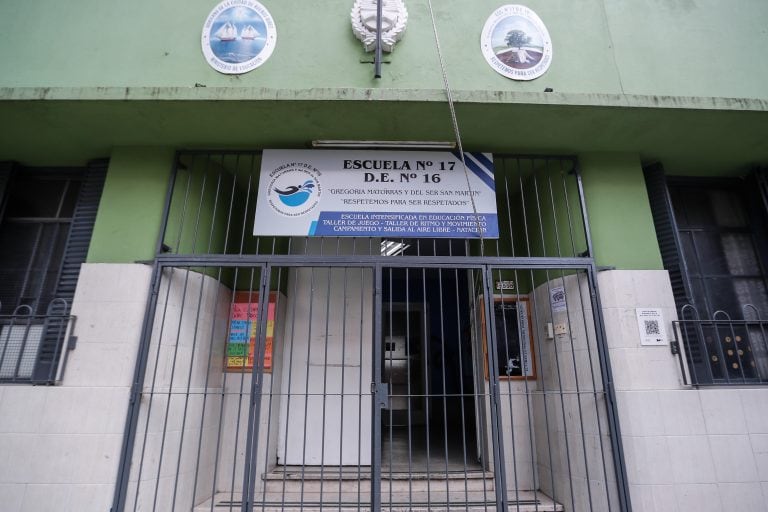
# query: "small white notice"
{"type": "Point", "coordinates": [505, 285]}
{"type": "Point", "coordinates": [557, 299]}
{"type": "Point", "coordinates": [650, 322]}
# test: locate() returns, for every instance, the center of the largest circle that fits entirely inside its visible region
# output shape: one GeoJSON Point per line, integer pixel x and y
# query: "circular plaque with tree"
{"type": "Point", "coordinates": [516, 43]}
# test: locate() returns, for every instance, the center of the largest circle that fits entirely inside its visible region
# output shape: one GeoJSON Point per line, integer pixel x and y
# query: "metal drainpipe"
{"type": "Point", "coordinates": [377, 58]}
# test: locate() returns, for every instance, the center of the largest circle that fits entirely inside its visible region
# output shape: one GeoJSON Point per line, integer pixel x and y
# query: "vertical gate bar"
{"type": "Point", "coordinates": [214, 212]}
{"type": "Point", "coordinates": [274, 371]}
{"type": "Point", "coordinates": [363, 282]}
{"type": "Point", "coordinates": [479, 395]}
{"type": "Point", "coordinates": [245, 496]}
{"type": "Point", "coordinates": [167, 204]}
{"type": "Point", "coordinates": [257, 384]}
{"type": "Point", "coordinates": [343, 375]}
{"type": "Point", "coordinates": [206, 391]}
{"type": "Point", "coordinates": [619, 462]}
{"type": "Point", "coordinates": [509, 391]}
{"type": "Point", "coordinates": [509, 206]}
{"type": "Point", "coordinates": [222, 402]}
{"type": "Point", "coordinates": [376, 412]}
{"type": "Point", "coordinates": [310, 316]}
{"type": "Point", "coordinates": [523, 209]}
{"type": "Point", "coordinates": [228, 224]}
{"type": "Point", "coordinates": [461, 390]}
{"type": "Point", "coordinates": [428, 393]}
{"type": "Point", "coordinates": [529, 415]}
{"type": "Point", "coordinates": [325, 382]}
{"type": "Point", "coordinates": [502, 503]}
{"type": "Point", "coordinates": [288, 394]}
{"type": "Point", "coordinates": [389, 361]}
{"type": "Point", "coordinates": [187, 392]}
{"type": "Point", "coordinates": [562, 405]}
{"type": "Point", "coordinates": [245, 207]}
{"type": "Point", "coordinates": [594, 391]}
{"type": "Point", "coordinates": [183, 215]}
{"type": "Point", "coordinates": [441, 300]}
{"type": "Point", "coordinates": [583, 208]}
{"type": "Point", "coordinates": [576, 381]}
{"type": "Point", "coordinates": [28, 270]}
{"type": "Point", "coordinates": [544, 395]}
{"type": "Point", "coordinates": [569, 216]}
{"type": "Point", "coordinates": [409, 390]}
{"type": "Point", "coordinates": [548, 175]}
{"type": "Point", "coordinates": [200, 205]}
{"type": "Point", "coordinates": [239, 396]}
{"type": "Point", "coordinates": [170, 387]}
{"type": "Point", "coordinates": [132, 416]}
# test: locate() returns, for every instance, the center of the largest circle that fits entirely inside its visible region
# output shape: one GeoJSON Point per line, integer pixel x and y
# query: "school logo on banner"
{"type": "Point", "coordinates": [294, 189]}
{"type": "Point", "coordinates": [238, 36]}
{"type": "Point", "coordinates": [516, 43]}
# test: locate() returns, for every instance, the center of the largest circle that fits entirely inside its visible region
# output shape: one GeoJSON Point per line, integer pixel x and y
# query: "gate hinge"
{"type": "Point", "coordinates": [674, 346]}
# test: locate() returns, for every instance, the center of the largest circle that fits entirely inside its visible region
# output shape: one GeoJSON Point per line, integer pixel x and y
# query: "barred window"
{"type": "Point", "coordinates": [714, 244]}
{"type": "Point", "coordinates": [46, 220]}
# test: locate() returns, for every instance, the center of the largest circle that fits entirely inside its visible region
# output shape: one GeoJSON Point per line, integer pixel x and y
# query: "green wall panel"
{"type": "Point", "coordinates": [620, 219]}
{"type": "Point", "coordinates": [131, 208]}
{"type": "Point", "coordinates": [654, 47]}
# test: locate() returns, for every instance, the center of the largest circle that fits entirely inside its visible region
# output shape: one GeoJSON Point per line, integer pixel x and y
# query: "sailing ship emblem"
{"type": "Point", "coordinates": [238, 36]}
{"type": "Point", "coordinates": [249, 33]}
{"type": "Point", "coordinates": [393, 21]}
{"type": "Point", "coordinates": [228, 32]}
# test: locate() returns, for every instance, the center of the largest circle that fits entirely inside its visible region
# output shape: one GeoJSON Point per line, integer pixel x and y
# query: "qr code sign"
{"type": "Point", "coordinates": [650, 323]}
{"type": "Point", "coordinates": [652, 328]}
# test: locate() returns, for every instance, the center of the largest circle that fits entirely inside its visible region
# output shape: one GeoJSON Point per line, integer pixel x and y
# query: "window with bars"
{"type": "Point", "coordinates": [712, 234]}
{"type": "Point", "coordinates": [46, 220]}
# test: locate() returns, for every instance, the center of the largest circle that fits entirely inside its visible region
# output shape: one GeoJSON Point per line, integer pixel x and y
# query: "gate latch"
{"type": "Point", "coordinates": [381, 394]}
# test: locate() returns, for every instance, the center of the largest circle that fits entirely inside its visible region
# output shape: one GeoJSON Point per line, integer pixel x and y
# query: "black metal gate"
{"type": "Point", "coordinates": [363, 374]}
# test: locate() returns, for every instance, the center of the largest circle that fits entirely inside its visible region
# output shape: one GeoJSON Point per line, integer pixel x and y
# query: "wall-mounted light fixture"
{"type": "Point", "coordinates": [384, 144]}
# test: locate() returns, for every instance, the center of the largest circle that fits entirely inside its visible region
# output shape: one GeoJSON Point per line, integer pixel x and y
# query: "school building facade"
{"type": "Point", "coordinates": [527, 294]}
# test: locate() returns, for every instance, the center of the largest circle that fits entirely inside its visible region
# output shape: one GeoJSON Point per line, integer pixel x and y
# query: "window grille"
{"type": "Point", "coordinates": [712, 244]}
{"type": "Point", "coordinates": [46, 219]}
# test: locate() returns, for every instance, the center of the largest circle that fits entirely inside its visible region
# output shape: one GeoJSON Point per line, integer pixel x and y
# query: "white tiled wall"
{"type": "Point", "coordinates": [686, 449]}
{"type": "Point", "coordinates": [573, 449]}
{"type": "Point", "coordinates": [60, 445]}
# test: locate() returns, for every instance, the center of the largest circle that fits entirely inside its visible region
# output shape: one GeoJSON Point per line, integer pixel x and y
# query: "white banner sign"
{"type": "Point", "coordinates": [406, 194]}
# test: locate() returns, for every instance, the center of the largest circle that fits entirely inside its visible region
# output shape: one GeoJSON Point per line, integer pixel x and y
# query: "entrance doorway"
{"type": "Point", "coordinates": [368, 374]}
{"type": "Point", "coordinates": [428, 364]}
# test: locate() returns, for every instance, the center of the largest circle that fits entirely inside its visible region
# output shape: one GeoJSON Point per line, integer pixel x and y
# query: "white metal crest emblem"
{"type": "Point", "coordinates": [393, 20]}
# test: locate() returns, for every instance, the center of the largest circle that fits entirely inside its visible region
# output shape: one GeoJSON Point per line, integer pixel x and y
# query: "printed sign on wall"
{"type": "Point", "coordinates": [516, 43]}
{"type": "Point", "coordinates": [650, 322]}
{"type": "Point", "coordinates": [557, 299]}
{"type": "Point", "coordinates": [243, 328]}
{"type": "Point", "coordinates": [238, 36]}
{"type": "Point", "coordinates": [406, 194]}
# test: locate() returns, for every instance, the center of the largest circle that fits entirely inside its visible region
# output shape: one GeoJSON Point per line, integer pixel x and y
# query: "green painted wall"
{"type": "Point", "coordinates": [620, 219]}
{"type": "Point", "coordinates": [130, 212]}
{"type": "Point", "coordinates": [654, 47]}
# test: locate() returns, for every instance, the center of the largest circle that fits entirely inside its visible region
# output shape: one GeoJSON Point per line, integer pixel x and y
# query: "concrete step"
{"type": "Point", "coordinates": [522, 501]}
{"type": "Point", "coordinates": [351, 481]}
